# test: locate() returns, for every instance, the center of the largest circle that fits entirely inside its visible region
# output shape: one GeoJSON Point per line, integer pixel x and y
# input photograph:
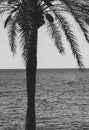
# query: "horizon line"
{"type": "Point", "coordinates": [37, 68]}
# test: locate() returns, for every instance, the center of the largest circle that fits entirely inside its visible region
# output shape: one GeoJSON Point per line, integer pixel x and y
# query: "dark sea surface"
{"type": "Point", "coordinates": [62, 99]}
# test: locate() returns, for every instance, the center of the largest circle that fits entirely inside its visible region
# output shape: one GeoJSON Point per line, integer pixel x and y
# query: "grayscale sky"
{"type": "Point", "coordinates": [48, 56]}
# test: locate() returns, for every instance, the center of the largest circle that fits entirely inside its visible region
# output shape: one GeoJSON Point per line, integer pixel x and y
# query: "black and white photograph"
{"type": "Point", "coordinates": [44, 64]}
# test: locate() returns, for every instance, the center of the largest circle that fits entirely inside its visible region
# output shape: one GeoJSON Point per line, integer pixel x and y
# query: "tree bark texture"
{"type": "Point", "coordinates": [31, 66]}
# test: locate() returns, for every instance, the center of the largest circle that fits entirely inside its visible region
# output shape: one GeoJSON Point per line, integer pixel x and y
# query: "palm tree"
{"type": "Point", "coordinates": [25, 17]}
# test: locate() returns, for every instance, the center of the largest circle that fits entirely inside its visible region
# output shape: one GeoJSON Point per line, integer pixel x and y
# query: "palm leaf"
{"type": "Point", "coordinates": [77, 16]}
{"type": "Point", "coordinates": [25, 44]}
{"type": "Point", "coordinates": [56, 36]}
{"type": "Point", "coordinates": [25, 25]}
{"type": "Point", "coordinates": [72, 40]}
{"type": "Point", "coordinates": [7, 21]}
{"type": "Point", "coordinates": [12, 29]}
{"type": "Point", "coordinates": [3, 1]}
{"type": "Point", "coordinates": [25, 19]}
{"type": "Point", "coordinates": [4, 8]}
{"type": "Point", "coordinates": [24, 41]}
{"type": "Point", "coordinates": [13, 1]}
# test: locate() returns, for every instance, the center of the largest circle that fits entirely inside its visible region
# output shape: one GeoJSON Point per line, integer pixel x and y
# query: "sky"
{"type": "Point", "coordinates": [47, 53]}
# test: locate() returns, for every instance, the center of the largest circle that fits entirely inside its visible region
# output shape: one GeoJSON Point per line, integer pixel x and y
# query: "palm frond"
{"type": "Point", "coordinates": [4, 8]}
{"type": "Point", "coordinates": [7, 1]}
{"type": "Point", "coordinates": [56, 36]}
{"type": "Point", "coordinates": [7, 21]}
{"type": "Point", "coordinates": [25, 43]}
{"type": "Point", "coordinates": [24, 31]}
{"type": "Point", "coordinates": [77, 16]}
{"type": "Point", "coordinates": [60, 7]}
{"type": "Point", "coordinates": [12, 29]}
{"type": "Point", "coordinates": [13, 1]}
{"type": "Point", "coordinates": [25, 25]}
{"type": "Point", "coordinates": [72, 40]}
{"type": "Point", "coordinates": [25, 19]}
{"type": "Point", "coordinates": [84, 29]}
{"type": "Point", "coordinates": [3, 1]}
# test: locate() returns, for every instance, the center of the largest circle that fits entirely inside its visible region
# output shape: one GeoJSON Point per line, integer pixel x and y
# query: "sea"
{"type": "Point", "coordinates": [62, 99]}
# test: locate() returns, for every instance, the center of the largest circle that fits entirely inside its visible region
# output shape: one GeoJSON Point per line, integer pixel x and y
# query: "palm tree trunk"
{"type": "Point", "coordinates": [31, 82]}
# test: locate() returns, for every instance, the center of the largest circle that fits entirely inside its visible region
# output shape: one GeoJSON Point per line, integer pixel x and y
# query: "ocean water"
{"type": "Point", "coordinates": [62, 100]}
